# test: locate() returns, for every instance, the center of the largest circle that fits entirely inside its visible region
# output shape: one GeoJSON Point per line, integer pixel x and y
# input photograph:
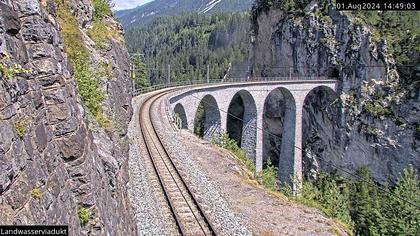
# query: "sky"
{"type": "Point", "coordinates": [127, 4]}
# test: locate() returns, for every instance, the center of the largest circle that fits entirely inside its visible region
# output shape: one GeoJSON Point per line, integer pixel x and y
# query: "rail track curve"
{"type": "Point", "coordinates": [188, 214]}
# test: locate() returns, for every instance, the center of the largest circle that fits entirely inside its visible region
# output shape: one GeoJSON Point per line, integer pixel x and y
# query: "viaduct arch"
{"type": "Point", "coordinates": [246, 125]}
{"type": "Point", "coordinates": [180, 113]}
{"type": "Point", "coordinates": [241, 124]}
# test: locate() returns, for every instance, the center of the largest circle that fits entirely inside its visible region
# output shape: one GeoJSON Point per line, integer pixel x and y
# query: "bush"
{"type": "Point", "coordinates": [102, 8]}
{"type": "Point", "coordinates": [225, 142]}
{"type": "Point", "coordinates": [365, 206]}
{"type": "Point", "coordinates": [84, 215]}
{"type": "Point", "coordinates": [269, 177]}
{"type": "Point", "coordinates": [9, 70]}
{"type": "Point", "coordinates": [199, 121]}
{"type": "Point", "coordinates": [101, 34]}
{"type": "Point", "coordinates": [378, 110]}
{"type": "Point", "coordinates": [21, 127]}
{"type": "Point", "coordinates": [401, 217]}
{"type": "Point", "coordinates": [333, 197]}
{"type": "Point", "coordinates": [139, 75]}
{"type": "Point", "coordinates": [36, 193]}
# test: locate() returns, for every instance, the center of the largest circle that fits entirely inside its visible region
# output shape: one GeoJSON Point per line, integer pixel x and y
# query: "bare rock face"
{"type": "Point", "coordinates": [372, 121]}
{"type": "Point", "coordinates": [54, 159]}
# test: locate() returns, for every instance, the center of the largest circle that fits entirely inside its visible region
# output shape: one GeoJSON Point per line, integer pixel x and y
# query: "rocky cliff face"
{"type": "Point", "coordinates": [372, 120]}
{"type": "Point", "coordinates": [55, 160]}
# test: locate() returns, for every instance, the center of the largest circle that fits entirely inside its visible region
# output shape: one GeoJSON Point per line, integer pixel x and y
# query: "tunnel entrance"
{"type": "Point", "coordinates": [181, 116]}
{"type": "Point", "coordinates": [279, 124]}
{"type": "Point", "coordinates": [207, 119]}
{"type": "Point", "coordinates": [241, 123]}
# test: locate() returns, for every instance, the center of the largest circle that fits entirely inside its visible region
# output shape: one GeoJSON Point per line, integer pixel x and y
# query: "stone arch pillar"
{"type": "Point", "coordinates": [191, 110]}
{"type": "Point", "coordinates": [290, 160]}
{"type": "Point", "coordinates": [280, 113]}
{"type": "Point", "coordinates": [259, 97]}
{"type": "Point", "coordinates": [247, 121]}
{"type": "Point", "coordinates": [179, 111]}
{"type": "Point", "coordinates": [212, 117]}
{"type": "Point", "coordinates": [299, 96]}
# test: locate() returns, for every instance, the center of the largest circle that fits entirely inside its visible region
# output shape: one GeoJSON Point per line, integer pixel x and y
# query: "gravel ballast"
{"type": "Point", "coordinates": [151, 217]}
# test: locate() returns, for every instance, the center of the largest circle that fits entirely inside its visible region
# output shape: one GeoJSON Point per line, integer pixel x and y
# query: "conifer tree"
{"type": "Point", "coordinates": [403, 218]}
{"type": "Point", "coordinates": [140, 73]}
{"type": "Point", "coordinates": [365, 204]}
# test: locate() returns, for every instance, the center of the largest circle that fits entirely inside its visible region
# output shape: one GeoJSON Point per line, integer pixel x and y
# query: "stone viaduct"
{"type": "Point", "coordinates": [217, 100]}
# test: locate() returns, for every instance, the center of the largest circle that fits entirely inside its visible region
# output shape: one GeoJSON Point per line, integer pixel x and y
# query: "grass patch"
{"type": "Point", "coordinates": [88, 80]}
{"type": "Point", "coordinates": [99, 33]}
{"type": "Point", "coordinates": [267, 177]}
{"type": "Point", "coordinates": [36, 193]}
{"type": "Point", "coordinates": [335, 231]}
{"type": "Point", "coordinates": [84, 215]}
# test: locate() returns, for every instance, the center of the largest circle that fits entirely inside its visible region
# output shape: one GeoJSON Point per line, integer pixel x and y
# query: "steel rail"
{"type": "Point", "coordinates": [167, 169]}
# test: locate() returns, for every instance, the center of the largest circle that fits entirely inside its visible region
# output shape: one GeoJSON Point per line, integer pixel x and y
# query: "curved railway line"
{"type": "Point", "coordinates": [189, 217]}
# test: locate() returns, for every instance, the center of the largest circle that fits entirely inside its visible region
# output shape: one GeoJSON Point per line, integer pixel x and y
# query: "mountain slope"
{"type": "Point", "coordinates": [58, 166]}
{"type": "Point", "coordinates": [146, 13]}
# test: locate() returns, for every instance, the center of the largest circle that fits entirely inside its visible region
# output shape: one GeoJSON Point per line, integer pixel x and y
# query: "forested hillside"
{"type": "Point", "coordinates": [146, 13]}
{"type": "Point", "coordinates": [189, 43]}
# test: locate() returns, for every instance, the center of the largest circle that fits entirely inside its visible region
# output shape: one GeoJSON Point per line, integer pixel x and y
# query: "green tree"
{"type": "Point", "coordinates": [401, 217]}
{"type": "Point", "coordinates": [366, 204]}
{"type": "Point", "coordinates": [334, 197]}
{"type": "Point", "coordinates": [139, 73]}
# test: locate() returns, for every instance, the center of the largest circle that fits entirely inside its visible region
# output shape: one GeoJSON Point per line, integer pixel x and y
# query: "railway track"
{"type": "Point", "coordinates": [189, 218]}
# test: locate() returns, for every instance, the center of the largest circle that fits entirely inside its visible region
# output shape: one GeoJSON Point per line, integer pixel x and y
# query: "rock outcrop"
{"type": "Point", "coordinates": [372, 121]}
{"type": "Point", "coordinates": [56, 162]}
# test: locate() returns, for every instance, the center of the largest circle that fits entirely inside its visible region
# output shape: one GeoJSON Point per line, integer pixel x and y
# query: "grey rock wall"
{"type": "Point", "coordinates": [54, 158]}
{"type": "Point", "coordinates": [345, 132]}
